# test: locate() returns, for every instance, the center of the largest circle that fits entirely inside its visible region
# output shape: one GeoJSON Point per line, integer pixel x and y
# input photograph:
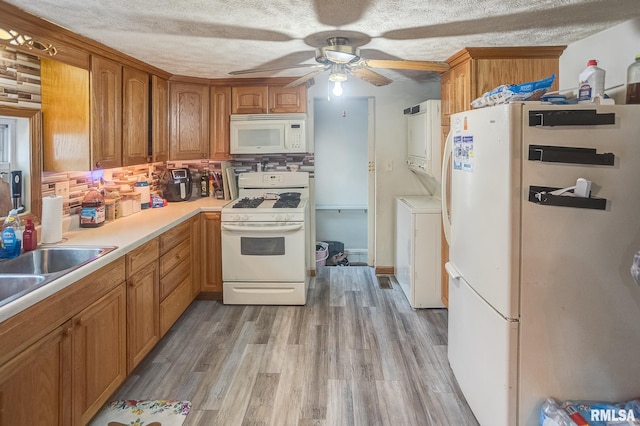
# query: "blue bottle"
{"type": "Point", "coordinates": [10, 239]}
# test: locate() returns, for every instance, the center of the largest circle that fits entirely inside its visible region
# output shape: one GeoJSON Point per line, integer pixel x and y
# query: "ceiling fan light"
{"type": "Point", "coordinates": [338, 77]}
{"type": "Point", "coordinates": [337, 88]}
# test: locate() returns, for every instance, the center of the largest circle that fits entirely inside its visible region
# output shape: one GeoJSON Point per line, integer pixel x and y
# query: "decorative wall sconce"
{"type": "Point", "coordinates": [17, 39]}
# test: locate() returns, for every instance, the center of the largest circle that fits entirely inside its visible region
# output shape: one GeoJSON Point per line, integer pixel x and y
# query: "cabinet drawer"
{"type": "Point", "coordinates": [174, 236]}
{"type": "Point", "coordinates": [175, 277]}
{"type": "Point", "coordinates": [174, 257]}
{"type": "Point", "coordinates": [142, 256]}
{"type": "Point", "coordinates": [174, 305]}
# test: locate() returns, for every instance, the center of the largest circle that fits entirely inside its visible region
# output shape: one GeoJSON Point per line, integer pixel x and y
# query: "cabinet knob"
{"type": "Point", "coordinates": [98, 163]}
{"type": "Point", "coordinates": [80, 322]}
{"type": "Point", "coordinates": [67, 332]}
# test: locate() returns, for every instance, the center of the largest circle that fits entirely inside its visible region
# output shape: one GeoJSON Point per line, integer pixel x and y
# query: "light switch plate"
{"type": "Point", "coordinates": [62, 189]}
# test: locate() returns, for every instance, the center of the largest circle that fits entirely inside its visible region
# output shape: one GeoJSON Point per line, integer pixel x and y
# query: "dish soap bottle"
{"type": "Point", "coordinates": [11, 243]}
{"type": "Point", "coordinates": [29, 236]}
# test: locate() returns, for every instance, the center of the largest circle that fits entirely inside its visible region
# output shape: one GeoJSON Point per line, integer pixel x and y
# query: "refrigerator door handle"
{"type": "Point", "coordinates": [452, 271]}
{"type": "Point", "coordinates": [446, 160]}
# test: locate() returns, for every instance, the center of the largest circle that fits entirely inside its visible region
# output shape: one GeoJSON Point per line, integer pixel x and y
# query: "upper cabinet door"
{"type": "Point", "coordinates": [287, 99]}
{"type": "Point", "coordinates": [189, 118]}
{"type": "Point", "coordinates": [106, 113]}
{"type": "Point", "coordinates": [65, 104]}
{"type": "Point", "coordinates": [135, 117]}
{"type": "Point", "coordinates": [249, 100]}
{"type": "Point", "coordinates": [220, 116]}
{"type": "Point", "coordinates": [160, 118]}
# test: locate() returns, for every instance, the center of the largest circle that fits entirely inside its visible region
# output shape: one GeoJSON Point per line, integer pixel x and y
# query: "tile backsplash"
{"type": "Point", "coordinates": [73, 186]}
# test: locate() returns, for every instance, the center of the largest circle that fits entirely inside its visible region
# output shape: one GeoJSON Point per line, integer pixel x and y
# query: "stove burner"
{"type": "Point", "coordinates": [284, 203]}
{"type": "Point", "coordinates": [248, 203]}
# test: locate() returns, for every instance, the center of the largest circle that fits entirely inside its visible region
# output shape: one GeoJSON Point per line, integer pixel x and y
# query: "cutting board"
{"type": "Point", "coordinates": [5, 198]}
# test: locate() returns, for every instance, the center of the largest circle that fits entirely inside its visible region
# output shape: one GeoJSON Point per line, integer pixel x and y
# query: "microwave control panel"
{"type": "Point", "coordinates": [296, 136]}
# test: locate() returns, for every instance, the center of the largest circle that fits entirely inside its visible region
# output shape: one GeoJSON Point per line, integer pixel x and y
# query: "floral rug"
{"type": "Point", "coordinates": [133, 412]}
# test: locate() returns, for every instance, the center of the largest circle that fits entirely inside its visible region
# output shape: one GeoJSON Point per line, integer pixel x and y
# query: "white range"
{"type": "Point", "coordinates": [265, 240]}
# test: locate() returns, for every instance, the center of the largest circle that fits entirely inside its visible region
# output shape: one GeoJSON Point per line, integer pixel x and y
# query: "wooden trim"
{"type": "Point", "coordinates": [385, 270]}
{"type": "Point", "coordinates": [73, 48]}
{"type": "Point", "coordinates": [35, 135]}
{"type": "Point", "coordinates": [210, 295]}
{"type": "Point", "coordinates": [521, 52]}
{"type": "Point", "coordinates": [237, 81]}
{"type": "Point", "coordinates": [312, 272]}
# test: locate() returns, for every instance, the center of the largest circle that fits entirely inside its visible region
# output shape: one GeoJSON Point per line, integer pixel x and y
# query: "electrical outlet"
{"type": "Point", "coordinates": [62, 189]}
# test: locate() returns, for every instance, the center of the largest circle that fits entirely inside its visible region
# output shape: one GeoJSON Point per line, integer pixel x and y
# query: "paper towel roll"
{"type": "Point", "coordinates": [51, 219]}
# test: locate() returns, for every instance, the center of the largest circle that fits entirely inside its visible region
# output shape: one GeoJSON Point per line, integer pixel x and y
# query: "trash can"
{"type": "Point", "coordinates": [322, 253]}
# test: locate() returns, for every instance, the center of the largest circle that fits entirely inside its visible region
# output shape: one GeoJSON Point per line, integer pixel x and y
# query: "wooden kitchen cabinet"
{"type": "Point", "coordinates": [159, 118]}
{"type": "Point", "coordinates": [135, 117]}
{"type": "Point", "coordinates": [287, 99]}
{"type": "Point", "coordinates": [189, 121]}
{"type": "Point", "coordinates": [263, 99]}
{"type": "Point", "coordinates": [106, 113]}
{"type": "Point", "coordinates": [196, 255]}
{"type": "Point", "coordinates": [175, 274]}
{"type": "Point", "coordinates": [219, 125]}
{"type": "Point", "coordinates": [35, 386]}
{"type": "Point", "coordinates": [99, 353]}
{"type": "Point", "coordinates": [66, 123]}
{"type": "Point", "coordinates": [212, 255]}
{"type": "Point", "coordinates": [249, 100]}
{"type": "Point", "coordinates": [143, 302]}
{"type": "Point", "coordinates": [477, 70]}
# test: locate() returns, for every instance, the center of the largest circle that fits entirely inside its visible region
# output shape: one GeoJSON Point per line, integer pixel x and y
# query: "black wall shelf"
{"type": "Point", "coordinates": [564, 200]}
{"type": "Point", "coordinates": [570, 117]}
{"type": "Point", "coordinates": [563, 154]}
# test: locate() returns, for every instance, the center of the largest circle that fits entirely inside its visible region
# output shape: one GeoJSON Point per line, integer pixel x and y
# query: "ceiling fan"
{"type": "Point", "coordinates": [342, 58]}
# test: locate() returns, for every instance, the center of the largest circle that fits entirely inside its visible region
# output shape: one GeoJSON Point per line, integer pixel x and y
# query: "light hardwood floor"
{"type": "Point", "coordinates": [356, 354]}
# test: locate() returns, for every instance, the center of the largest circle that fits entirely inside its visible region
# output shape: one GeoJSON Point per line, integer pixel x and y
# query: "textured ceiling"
{"type": "Point", "coordinates": [209, 38]}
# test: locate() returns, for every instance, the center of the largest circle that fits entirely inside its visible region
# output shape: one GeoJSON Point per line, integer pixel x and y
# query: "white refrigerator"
{"type": "Point", "coordinates": [541, 299]}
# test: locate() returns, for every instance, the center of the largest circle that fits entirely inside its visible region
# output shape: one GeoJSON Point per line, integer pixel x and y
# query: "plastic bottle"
{"type": "Point", "coordinates": [633, 82]}
{"type": "Point", "coordinates": [204, 184]}
{"type": "Point", "coordinates": [93, 210]}
{"type": "Point", "coordinates": [29, 236]}
{"type": "Point", "coordinates": [11, 239]}
{"type": "Point", "coordinates": [590, 82]}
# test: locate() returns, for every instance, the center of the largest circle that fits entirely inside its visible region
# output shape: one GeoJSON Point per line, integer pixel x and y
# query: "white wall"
{"type": "Point", "coordinates": [615, 48]}
{"type": "Point", "coordinates": [391, 174]}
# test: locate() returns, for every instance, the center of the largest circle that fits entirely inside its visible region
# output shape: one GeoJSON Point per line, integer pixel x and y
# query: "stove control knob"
{"type": "Point", "coordinates": [245, 217]}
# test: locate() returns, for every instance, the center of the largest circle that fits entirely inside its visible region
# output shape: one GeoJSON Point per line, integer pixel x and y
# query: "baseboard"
{"type": "Point", "coordinates": [210, 295]}
{"type": "Point", "coordinates": [385, 270]}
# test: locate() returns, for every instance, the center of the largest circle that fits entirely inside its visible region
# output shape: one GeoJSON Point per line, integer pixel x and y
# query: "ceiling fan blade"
{"type": "Point", "coordinates": [304, 78]}
{"type": "Point", "coordinates": [370, 76]}
{"type": "Point", "coordinates": [407, 65]}
{"type": "Point", "coordinates": [256, 70]}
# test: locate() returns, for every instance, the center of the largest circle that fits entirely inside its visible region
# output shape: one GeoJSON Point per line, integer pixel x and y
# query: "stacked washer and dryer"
{"type": "Point", "coordinates": [418, 217]}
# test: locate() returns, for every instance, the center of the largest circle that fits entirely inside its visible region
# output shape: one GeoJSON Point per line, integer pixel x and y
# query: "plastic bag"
{"type": "Point", "coordinates": [531, 91]}
{"type": "Point", "coordinates": [572, 413]}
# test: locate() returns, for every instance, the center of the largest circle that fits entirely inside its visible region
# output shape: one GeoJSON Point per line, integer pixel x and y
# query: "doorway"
{"type": "Point", "coordinates": [343, 139]}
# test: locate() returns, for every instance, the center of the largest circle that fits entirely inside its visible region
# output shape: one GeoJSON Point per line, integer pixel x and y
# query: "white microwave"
{"type": "Point", "coordinates": [268, 133]}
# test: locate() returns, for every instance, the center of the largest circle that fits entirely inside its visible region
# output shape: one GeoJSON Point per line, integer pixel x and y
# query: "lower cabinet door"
{"type": "Point", "coordinates": [143, 307]}
{"type": "Point", "coordinates": [35, 386]}
{"type": "Point", "coordinates": [99, 353]}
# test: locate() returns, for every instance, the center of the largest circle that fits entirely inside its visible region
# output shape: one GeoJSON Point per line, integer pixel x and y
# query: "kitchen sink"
{"type": "Point", "coordinates": [13, 286]}
{"type": "Point", "coordinates": [39, 267]}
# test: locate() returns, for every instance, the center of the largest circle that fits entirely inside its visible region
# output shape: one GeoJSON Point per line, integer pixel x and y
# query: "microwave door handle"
{"type": "Point", "coordinates": [245, 228]}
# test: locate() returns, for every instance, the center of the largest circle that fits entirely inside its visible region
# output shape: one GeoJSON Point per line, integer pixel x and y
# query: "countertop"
{"type": "Point", "coordinates": [126, 233]}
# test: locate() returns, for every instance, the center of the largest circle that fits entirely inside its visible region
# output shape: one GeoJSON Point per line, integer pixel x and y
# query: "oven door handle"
{"type": "Point", "coordinates": [253, 228]}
